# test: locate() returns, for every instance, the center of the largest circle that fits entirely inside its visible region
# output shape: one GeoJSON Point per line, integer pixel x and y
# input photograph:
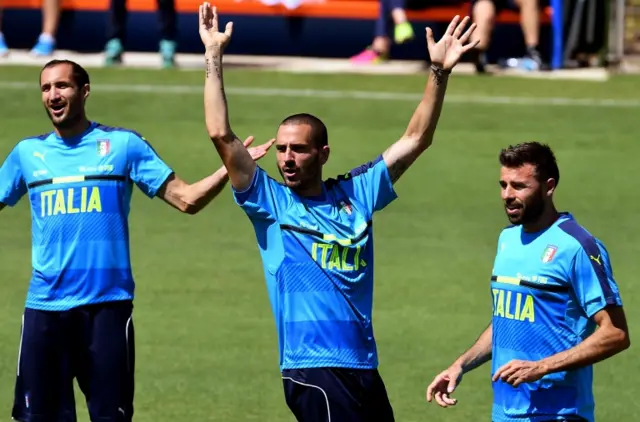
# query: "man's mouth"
{"type": "Point", "coordinates": [513, 208]}
{"type": "Point", "coordinates": [57, 109]}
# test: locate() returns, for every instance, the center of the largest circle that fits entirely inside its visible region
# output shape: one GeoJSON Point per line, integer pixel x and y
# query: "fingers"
{"type": "Point", "coordinates": [439, 400]}
{"type": "Point", "coordinates": [248, 141]}
{"type": "Point", "coordinates": [440, 389]}
{"type": "Point", "coordinates": [505, 371]}
{"type": "Point", "coordinates": [444, 400]}
{"type": "Point", "coordinates": [214, 18]}
{"type": "Point", "coordinates": [517, 382]}
{"type": "Point", "coordinates": [430, 389]}
{"type": "Point", "coordinates": [270, 143]}
{"type": "Point", "coordinates": [461, 26]}
{"type": "Point", "coordinates": [430, 40]}
{"type": "Point", "coordinates": [452, 385]}
{"type": "Point", "coordinates": [513, 378]}
{"type": "Point", "coordinates": [465, 37]}
{"type": "Point", "coordinates": [452, 25]}
{"type": "Point", "coordinates": [228, 30]}
{"type": "Point", "coordinates": [498, 373]}
{"type": "Point", "coordinates": [448, 400]}
{"type": "Point", "coordinates": [470, 46]}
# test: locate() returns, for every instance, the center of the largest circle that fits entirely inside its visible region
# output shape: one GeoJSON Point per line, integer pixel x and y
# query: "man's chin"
{"type": "Point", "coordinates": [291, 183]}
{"type": "Point", "coordinates": [516, 220]}
{"type": "Point", "coordinates": [62, 122]}
{"type": "Point", "coordinates": [58, 120]}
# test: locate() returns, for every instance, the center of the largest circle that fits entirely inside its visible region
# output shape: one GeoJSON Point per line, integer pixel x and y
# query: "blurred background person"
{"type": "Point", "coordinates": [393, 24]}
{"type": "Point", "coordinates": [117, 32]}
{"type": "Point", "coordinates": [4, 50]}
{"type": "Point", "coordinates": [47, 40]}
{"type": "Point", "coordinates": [484, 14]}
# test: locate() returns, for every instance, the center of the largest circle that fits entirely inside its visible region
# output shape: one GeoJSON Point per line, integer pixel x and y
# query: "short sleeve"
{"type": "Point", "coordinates": [592, 278]}
{"type": "Point", "coordinates": [147, 170]}
{"type": "Point", "coordinates": [260, 200]}
{"type": "Point", "coordinates": [12, 182]}
{"type": "Point", "coordinates": [371, 185]}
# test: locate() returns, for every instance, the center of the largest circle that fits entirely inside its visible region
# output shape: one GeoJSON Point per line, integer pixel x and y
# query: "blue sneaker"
{"type": "Point", "coordinates": [168, 53]}
{"type": "Point", "coordinates": [4, 49]}
{"type": "Point", "coordinates": [526, 64]}
{"type": "Point", "coordinates": [45, 46]}
{"type": "Point", "coordinates": [113, 52]}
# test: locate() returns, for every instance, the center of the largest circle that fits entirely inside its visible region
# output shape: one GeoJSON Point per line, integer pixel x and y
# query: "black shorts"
{"type": "Point", "coordinates": [336, 395]}
{"type": "Point", "coordinates": [95, 345]}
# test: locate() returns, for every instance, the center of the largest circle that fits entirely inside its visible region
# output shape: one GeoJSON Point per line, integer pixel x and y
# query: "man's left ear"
{"type": "Point", "coordinates": [551, 186]}
{"type": "Point", "coordinates": [324, 154]}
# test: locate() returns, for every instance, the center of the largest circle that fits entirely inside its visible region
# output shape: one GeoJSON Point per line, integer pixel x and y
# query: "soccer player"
{"type": "Point", "coordinates": [315, 236]}
{"type": "Point", "coordinates": [78, 316]}
{"type": "Point", "coordinates": [552, 286]}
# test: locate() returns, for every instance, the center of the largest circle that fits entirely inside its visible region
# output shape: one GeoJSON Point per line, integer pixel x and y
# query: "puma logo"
{"type": "Point", "coordinates": [39, 155]}
{"type": "Point", "coordinates": [596, 259]}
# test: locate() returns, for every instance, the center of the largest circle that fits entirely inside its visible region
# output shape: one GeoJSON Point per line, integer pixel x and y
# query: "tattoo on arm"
{"type": "Point", "coordinates": [439, 73]}
{"type": "Point", "coordinates": [217, 62]}
{"type": "Point", "coordinates": [211, 64]}
{"type": "Point", "coordinates": [397, 169]}
{"type": "Point", "coordinates": [208, 67]}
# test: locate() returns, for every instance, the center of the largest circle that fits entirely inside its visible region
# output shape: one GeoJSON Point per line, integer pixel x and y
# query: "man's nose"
{"type": "Point", "coordinates": [288, 156]}
{"type": "Point", "coordinates": [54, 94]}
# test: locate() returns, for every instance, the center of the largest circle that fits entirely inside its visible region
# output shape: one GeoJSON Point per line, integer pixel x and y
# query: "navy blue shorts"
{"type": "Point", "coordinates": [93, 344]}
{"type": "Point", "coordinates": [336, 395]}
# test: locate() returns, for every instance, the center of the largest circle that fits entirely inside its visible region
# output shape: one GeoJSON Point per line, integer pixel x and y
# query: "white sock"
{"type": "Point", "coordinates": [46, 37]}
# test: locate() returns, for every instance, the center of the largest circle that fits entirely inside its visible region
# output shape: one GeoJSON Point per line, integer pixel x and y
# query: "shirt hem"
{"type": "Point", "coordinates": [57, 306]}
{"type": "Point", "coordinates": [329, 364]}
{"type": "Point", "coordinates": [541, 418]}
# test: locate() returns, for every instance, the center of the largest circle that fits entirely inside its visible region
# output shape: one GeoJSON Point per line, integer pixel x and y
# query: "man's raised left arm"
{"type": "Point", "coordinates": [418, 136]}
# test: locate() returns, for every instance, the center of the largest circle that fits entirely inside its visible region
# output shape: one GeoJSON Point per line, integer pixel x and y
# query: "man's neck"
{"type": "Point", "coordinates": [308, 192]}
{"type": "Point", "coordinates": [546, 220]}
{"type": "Point", "coordinates": [74, 130]}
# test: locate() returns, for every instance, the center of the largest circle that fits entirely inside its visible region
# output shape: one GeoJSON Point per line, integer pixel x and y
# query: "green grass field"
{"type": "Point", "coordinates": [206, 340]}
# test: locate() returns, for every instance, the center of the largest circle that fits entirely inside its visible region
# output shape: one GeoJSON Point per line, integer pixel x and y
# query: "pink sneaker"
{"type": "Point", "coordinates": [368, 56]}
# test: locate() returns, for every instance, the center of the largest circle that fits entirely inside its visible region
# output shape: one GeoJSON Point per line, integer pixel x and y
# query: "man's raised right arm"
{"type": "Point", "coordinates": [234, 155]}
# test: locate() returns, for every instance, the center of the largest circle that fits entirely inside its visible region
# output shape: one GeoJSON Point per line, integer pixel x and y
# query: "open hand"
{"type": "Point", "coordinates": [443, 385]}
{"type": "Point", "coordinates": [208, 25]}
{"type": "Point", "coordinates": [517, 372]}
{"type": "Point", "coordinates": [259, 151]}
{"type": "Point", "coordinates": [447, 52]}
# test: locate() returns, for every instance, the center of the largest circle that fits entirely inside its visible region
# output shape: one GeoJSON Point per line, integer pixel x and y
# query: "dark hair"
{"type": "Point", "coordinates": [80, 75]}
{"type": "Point", "coordinates": [319, 134]}
{"type": "Point", "coordinates": [539, 155]}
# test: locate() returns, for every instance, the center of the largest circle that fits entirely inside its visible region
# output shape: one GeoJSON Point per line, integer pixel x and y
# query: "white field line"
{"type": "Point", "coordinates": [345, 95]}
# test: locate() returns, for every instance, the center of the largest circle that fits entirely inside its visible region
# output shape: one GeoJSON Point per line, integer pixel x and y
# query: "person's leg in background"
{"type": "Point", "coordinates": [483, 13]}
{"type": "Point", "coordinates": [392, 12]}
{"type": "Point", "coordinates": [116, 32]}
{"type": "Point", "coordinates": [530, 23]}
{"type": "Point", "coordinates": [403, 31]}
{"type": "Point", "coordinates": [4, 50]}
{"type": "Point", "coordinates": [168, 45]}
{"type": "Point", "coordinates": [50, 19]}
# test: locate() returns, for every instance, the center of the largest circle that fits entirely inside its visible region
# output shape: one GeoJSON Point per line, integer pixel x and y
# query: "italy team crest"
{"type": "Point", "coordinates": [549, 253]}
{"type": "Point", "coordinates": [104, 146]}
{"type": "Point", "coordinates": [346, 207]}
